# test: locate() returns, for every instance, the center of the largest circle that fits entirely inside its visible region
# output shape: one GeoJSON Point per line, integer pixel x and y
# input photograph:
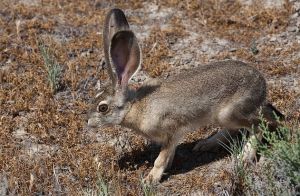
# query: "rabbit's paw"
{"type": "Point", "coordinates": [154, 176]}
{"type": "Point", "coordinates": [248, 154]}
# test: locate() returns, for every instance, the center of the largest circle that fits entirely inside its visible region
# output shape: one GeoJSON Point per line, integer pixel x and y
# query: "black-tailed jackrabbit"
{"type": "Point", "coordinates": [229, 94]}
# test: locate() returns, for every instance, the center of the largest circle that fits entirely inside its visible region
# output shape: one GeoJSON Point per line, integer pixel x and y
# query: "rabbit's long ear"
{"type": "Point", "coordinates": [115, 21]}
{"type": "Point", "coordinates": [125, 55]}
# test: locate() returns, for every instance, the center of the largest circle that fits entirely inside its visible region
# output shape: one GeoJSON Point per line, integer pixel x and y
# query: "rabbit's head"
{"type": "Point", "coordinates": [112, 102]}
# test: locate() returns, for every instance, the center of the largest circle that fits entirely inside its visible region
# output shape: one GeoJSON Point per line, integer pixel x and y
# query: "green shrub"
{"type": "Point", "coordinates": [278, 170]}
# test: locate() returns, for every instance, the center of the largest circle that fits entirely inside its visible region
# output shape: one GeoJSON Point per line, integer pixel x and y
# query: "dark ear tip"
{"type": "Point", "coordinates": [116, 10]}
{"type": "Point", "coordinates": [119, 16]}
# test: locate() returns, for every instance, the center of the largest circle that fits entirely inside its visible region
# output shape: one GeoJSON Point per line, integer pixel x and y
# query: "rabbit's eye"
{"type": "Point", "coordinates": [102, 108]}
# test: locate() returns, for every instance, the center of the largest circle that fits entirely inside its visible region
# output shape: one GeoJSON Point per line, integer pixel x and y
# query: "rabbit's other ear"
{"type": "Point", "coordinates": [115, 21]}
{"type": "Point", "coordinates": [125, 55]}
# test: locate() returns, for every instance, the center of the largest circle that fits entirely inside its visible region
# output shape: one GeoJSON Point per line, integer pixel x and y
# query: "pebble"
{"type": "Point", "coordinates": [232, 50]}
{"type": "Point", "coordinates": [283, 35]}
{"type": "Point", "coordinates": [295, 15]}
{"type": "Point", "coordinates": [292, 29]}
{"type": "Point", "coordinates": [273, 39]}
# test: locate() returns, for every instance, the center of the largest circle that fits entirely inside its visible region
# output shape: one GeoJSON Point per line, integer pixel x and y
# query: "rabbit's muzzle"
{"type": "Point", "coordinates": [93, 121]}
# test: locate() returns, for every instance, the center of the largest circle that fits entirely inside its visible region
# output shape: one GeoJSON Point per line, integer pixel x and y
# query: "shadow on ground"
{"type": "Point", "coordinates": [185, 159]}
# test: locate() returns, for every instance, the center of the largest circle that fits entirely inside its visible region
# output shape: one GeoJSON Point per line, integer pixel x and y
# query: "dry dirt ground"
{"type": "Point", "coordinates": [45, 145]}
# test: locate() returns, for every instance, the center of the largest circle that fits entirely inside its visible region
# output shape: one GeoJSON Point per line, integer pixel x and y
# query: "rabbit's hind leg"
{"type": "Point", "coordinates": [242, 115]}
{"type": "Point", "coordinates": [214, 142]}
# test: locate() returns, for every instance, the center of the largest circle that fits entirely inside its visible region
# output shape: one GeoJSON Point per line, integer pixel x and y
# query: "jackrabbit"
{"type": "Point", "coordinates": [229, 94]}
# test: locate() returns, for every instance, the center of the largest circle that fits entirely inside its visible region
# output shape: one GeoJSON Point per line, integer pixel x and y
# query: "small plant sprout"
{"type": "Point", "coordinates": [147, 190]}
{"type": "Point", "coordinates": [53, 69]}
{"type": "Point", "coordinates": [235, 148]}
{"type": "Point", "coordinates": [102, 186]}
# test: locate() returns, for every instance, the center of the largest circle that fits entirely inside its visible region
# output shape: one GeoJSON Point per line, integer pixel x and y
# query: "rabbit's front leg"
{"type": "Point", "coordinates": [163, 161]}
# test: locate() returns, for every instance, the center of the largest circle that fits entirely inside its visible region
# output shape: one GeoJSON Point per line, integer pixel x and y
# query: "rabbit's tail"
{"type": "Point", "coordinates": [271, 113]}
{"type": "Point", "coordinates": [274, 118]}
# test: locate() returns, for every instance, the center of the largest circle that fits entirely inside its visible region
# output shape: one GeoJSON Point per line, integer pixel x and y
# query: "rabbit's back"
{"type": "Point", "coordinates": [217, 82]}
